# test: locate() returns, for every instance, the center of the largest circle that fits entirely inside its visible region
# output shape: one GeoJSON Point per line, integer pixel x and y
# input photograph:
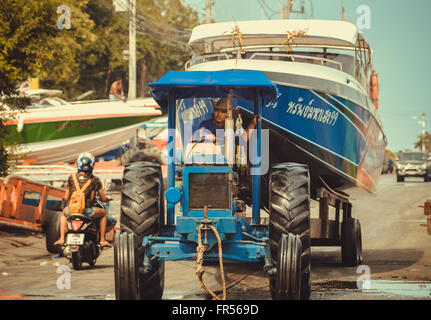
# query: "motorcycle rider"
{"type": "Point", "coordinates": [85, 164]}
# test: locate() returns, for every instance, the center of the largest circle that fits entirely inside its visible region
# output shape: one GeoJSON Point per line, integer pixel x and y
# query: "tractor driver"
{"type": "Point", "coordinates": [208, 128]}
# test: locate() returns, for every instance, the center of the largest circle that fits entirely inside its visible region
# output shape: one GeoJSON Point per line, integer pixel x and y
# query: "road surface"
{"type": "Point", "coordinates": [397, 259]}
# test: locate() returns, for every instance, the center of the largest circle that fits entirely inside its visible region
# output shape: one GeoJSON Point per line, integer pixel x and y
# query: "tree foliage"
{"type": "Point", "coordinates": [426, 139]}
{"type": "Point", "coordinates": [162, 32]}
{"type": "Point", "coordinates": [27, 29]}
{"type": "Point", "coordinates": [89, 55]}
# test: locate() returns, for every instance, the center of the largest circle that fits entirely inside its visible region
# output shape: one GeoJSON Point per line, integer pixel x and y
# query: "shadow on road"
{"type": "Point", "coordinates": [379, 260]}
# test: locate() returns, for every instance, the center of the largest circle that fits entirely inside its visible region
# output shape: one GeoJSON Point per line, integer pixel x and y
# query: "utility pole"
{"type": "Point", "coordinates": [343, 11]}
{"type": "Point", "coordinates": [288, 9]}
{"type": "Point", "coordinates": [132, 50]}
{"type": "Point", "coordinates": [208, 11]}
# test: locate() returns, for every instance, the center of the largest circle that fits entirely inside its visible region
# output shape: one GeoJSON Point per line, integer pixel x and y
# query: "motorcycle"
{"type": "Point", "coordinates": [82, 239]}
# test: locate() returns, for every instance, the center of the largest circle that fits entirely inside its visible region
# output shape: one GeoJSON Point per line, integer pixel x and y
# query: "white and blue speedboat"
{"type": "Point", "coordinates": [326, 114]}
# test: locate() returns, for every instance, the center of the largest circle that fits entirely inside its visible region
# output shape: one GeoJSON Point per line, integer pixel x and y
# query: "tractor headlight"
{"type": "Point", "coordinates": [209, 189]}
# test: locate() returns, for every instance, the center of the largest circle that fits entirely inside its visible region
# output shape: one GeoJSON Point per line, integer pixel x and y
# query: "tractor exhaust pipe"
{"type": "Point", "coordinates": [229, 134]}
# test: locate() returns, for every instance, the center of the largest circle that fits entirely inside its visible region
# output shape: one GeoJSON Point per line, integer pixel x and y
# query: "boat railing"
{"type": "Point", "coordinates": [268, 56]}
{"type": "Point", "coordinates": [206, 58]}
{"type": "Point", "coordinates": [297, 58]}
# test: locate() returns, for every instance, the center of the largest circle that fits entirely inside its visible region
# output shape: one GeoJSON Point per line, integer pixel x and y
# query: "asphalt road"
{"type": "Point", "coordinates": [397, 260]}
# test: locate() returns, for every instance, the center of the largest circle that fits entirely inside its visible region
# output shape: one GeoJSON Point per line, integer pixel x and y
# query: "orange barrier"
{"type": "Point", "coordinates": [18, 198]}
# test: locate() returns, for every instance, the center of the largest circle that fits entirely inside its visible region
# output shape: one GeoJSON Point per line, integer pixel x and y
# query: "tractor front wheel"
{"type": "Point", "coordinates": [142, 208]}
{"type": "Point", "coordinates": [289, 213]}
{"type": "Point", "coordinates": [126, 267]}
{"type": "Point", "coordinates": [287, 283]}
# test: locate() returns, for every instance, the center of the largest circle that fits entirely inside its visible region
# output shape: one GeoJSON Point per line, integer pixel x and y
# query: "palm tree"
{"type": "Point", "coordinates": [424, 142]}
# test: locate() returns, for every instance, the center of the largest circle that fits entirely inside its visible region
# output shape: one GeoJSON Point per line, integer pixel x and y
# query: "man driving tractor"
{"type": "Point", "coordinates": [208, 128]}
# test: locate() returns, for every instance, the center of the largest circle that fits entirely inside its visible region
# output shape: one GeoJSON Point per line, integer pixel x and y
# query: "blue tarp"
{"type": "Point", "coordinates": [212, 84]}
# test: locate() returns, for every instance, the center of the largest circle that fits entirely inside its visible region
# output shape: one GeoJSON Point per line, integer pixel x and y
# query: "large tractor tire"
{"type": "Point", "coordinates": [287, 283]}
{"type": "Point", "coordinates": [52, 233]}
{"type": "Point", "coordinates": [289, 213]}
{"type": "Point", "coordinates": [126, 269]}
{"type": "Point", "coordinates": [142, 211]}
{"type": "Point", "coordinates": [351, 246]}
{"type": "Point", "coordinates": [135, 155]}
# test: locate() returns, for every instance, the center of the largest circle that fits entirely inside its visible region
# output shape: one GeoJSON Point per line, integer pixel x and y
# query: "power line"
{"type": "Point", "coordinates": [155, 32]}
{"type": "Point", "coordinates": [265, 6]}
{"type": "Point", "coordinates": [143, 20]}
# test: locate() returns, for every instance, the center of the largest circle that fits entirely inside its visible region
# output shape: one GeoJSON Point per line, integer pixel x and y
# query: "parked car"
{"type": "Point", "coordinates": [413, 164]}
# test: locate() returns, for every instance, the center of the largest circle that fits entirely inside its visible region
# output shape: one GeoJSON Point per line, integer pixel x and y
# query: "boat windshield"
{"type": "Point", "coordinates": [338, 59]}
{"type": "Point", "coordinates": [413, 156]}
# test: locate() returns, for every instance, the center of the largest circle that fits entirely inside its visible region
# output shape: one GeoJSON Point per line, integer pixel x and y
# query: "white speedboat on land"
{"type": "Point", "coordinates": [59, 133]}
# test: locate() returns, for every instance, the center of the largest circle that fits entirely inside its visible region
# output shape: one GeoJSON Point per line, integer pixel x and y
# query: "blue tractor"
{"type": "Point", "coordinates": [205, 217]}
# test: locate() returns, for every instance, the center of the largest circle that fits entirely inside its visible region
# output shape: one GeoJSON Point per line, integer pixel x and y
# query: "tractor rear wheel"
{"type": "Point", "coordinates": [142, 208]}
{"type": "Point", "coordinates": [289, 212]}
{"type": "Point", "coordinates": [136, 154]}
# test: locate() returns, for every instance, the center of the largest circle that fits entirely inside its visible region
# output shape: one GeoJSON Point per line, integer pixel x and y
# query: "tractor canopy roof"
{"type": "Point", "coordinates": [212, 84]}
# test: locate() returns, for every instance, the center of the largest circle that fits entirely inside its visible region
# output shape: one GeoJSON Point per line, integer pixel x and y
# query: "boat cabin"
{"type": "Point", "coordinates": [337, 45]}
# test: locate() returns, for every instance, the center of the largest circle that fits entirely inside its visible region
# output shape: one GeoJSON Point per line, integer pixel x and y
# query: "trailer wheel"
{"type": "Point", "coordinates": [52, 233]}
{"type": "Point", "coordinates": [289, 212]}
{"type": "Point", "coordinates": [142, 208]}
{"type": "Point", "coordinates": [126, 267]}
{"type": "Point", "coordinates": [351, 247]}
{"type": "Point", "coordinates": [287, 283]}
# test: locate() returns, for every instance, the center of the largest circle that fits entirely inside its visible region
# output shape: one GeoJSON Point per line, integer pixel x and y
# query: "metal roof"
{"type": "Point", "coordinates": [212, 84]}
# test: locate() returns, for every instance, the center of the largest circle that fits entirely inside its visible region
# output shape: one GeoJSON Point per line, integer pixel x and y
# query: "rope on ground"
{"type": "Point", "coordinates": [200, 259]}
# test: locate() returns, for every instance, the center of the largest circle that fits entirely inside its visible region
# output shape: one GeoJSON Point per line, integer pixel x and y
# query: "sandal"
{"type": "Point", "coordinates": [105, 244]}
{"type": "Point", "coordinates": [59, 243]}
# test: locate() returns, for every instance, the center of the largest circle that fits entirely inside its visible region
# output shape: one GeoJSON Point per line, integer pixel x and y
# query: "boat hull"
{"type": "Point", "coordinates": [322, 118]}
{"type": "Point", "coordinates": [342, 142]}
{"type": "Point", "coordinates": [60, 134]}
{"type": "Point", "coordinates": [68, 149]}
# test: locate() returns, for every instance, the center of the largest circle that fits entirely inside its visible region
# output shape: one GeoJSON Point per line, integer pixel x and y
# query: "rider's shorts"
{"type": "Point", "coordinates": [89, 212]}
